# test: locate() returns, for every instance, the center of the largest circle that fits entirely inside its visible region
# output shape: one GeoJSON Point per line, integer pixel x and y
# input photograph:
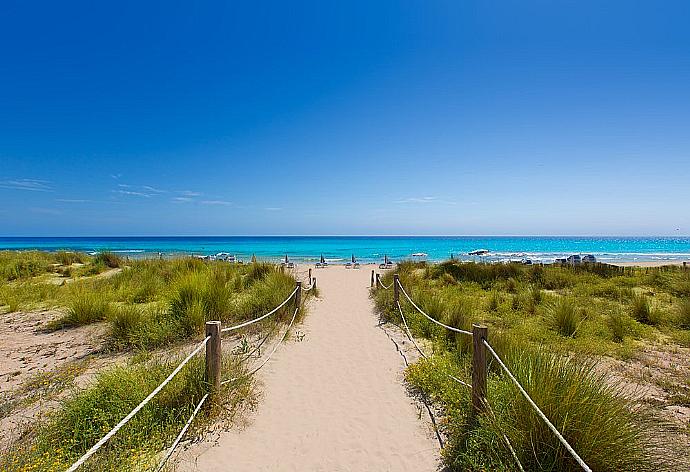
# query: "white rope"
{"type": "Point", "coordinates": [275, 348]}
{"type": "Point", "coordinates": [179, 436]}
{"type": "Point", "coordinates": [307, 289]}
{"type": "Point", "coordinates": [256, 320]}
{"type": "Point", "coordinates": [141, 405]}
{"type": "Point", "coordinates": [451, 328]}
{"type": "Point", "coordinates": [536, 408]}
{"type": "Point", "coordinates": [409, 336]}
{"type": "Point", "coordinates": [378, 278]}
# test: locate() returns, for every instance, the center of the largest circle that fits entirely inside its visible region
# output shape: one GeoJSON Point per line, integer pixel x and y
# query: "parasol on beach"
{"type": "Point", "coordinates": [253, 258]}
{"type": "Point", "coordinates": [323, 260]}
{"type": "Point", "coordinates": [286, 259]}
{"type": "Point", "coordinates": [353, 259]}
{"type": "Point", "coordinates": [385, 259]}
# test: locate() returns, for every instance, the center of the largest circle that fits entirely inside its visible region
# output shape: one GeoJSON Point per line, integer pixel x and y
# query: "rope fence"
{"type": "Point", "coordinates": [212, 343]}
{"type": "Point", "coordinates": [256, 320]}
{"type": "Point", "coordinates": [275, 348]}
{"type": "Point", "coordinates": [181, 435]}
{"type": "Point", "coordinates": [136, 410]}
{"type": "Point", "coordinates": [479, 369]}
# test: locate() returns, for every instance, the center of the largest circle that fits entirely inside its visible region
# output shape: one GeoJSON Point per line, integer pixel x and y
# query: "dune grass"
{"type": "Point", "coordinates": [89, 413]}
{"type": "Point", "coordinates": [148, 303]}
{"type": "Point", "coordinates": [549, 324]}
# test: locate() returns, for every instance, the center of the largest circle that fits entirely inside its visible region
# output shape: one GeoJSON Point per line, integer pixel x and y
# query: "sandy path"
{"type": "Point", "coordinates": [333, 402]}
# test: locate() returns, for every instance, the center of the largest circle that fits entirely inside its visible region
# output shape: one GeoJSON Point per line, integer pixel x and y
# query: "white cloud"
{"type": "Point", "coordinates": [273, 209]}
{"type": "Point", "coordinates": [423, 200]}
{"type": "Point", "coordinates": [133, 193]}
{"type": "Point", "coordinates": [182, 199]}
{"type": "Point", "coordinates": [153, 189]}
{"type": "Point", "coordinates": [72, 200]}
{"type": "Point", "coordinates": [190, 193]}
{"type": "Point", "coordinates": [33, 185]}
{"type": "Point", "coordinates": [216, 202]}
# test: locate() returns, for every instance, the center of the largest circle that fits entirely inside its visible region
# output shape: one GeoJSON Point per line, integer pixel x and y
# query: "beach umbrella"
{"type": "Point", "coordinates": [385, 259]}
{"type": "Point", "coordinates": [253, 258]}
{"type": "Point", "coordinates": [353, 259]}
{"type": "Point", "coordinates": [286, 259]}
{"type": "Point", "coordinates": [322, 259]}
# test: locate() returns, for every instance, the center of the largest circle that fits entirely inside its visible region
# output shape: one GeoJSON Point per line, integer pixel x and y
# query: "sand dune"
{"type": "Point", "coordinates": [334, 401]}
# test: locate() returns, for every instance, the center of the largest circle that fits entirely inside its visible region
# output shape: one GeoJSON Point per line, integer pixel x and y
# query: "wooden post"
{"type": "Point", "coordinates": [372, 278]}
{"type": "Point", "coordinates": [213, 355]}
{"type": "Point", "coordinates": [310, 276]}
{"type": "Point", "coordinates": [396, 288]}
{"type": "Point", "coordinates": [298, 295]}
{"type": "Point", "coordinates": [314, 282]}
{"type": "Point", "coordinates": [479, 369]}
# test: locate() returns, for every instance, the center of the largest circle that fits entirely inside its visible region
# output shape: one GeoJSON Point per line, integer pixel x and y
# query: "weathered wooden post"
{"type": "Point", "coordinates": [372, 278]}
{"type": "Point", "coordinates": [214, 354]}
{"type": "Point", "coordinates": [396, 288]}
{"type": "Point", "coordinates": [314, 282]}
{"type": "Point", "coordinates": [479, 369]}
{"type": "Point", "coordinates": [298, 295]}
{"type": "Point", "coordinates": [310, 276]}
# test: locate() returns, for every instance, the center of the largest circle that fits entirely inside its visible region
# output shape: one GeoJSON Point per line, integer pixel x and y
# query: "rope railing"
{"type": "Point", "coordinates": [256, 320]}
{"type": "Point", "coordinates": [181, 435]}
{"type": "Point", "coordinates": [213, 366]}
{"type": "Point", "coordinates": [421, 352]}
{"type": "Point", "coordinates": [524, 393]}
{"type": "Point", "coordinates": [451, 328]}
{"type": "Point", "coordinates": [136, 410]}
{"type": "Point", "coordinates": [380, 282]}
{"type": "Point", "coordinates": [479, 374]}
{"type": "Point", "coordinates": [275, 348]}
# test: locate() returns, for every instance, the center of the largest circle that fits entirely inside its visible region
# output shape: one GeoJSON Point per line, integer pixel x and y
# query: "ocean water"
{"type": "Point", "coordinates": [373, 249]}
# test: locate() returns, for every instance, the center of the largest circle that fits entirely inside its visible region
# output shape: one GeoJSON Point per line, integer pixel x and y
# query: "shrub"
{"type": "Point", "coordinates": [108, 259]}
{"type": "Point", "coordinates": [85, 307]}
{"type": "Point", "coordinates": [495, 301]}
{"type": "Point", "coordinates": [458, 314]}
{"type": "Point", "coordinates": [564, 317]}
{"type": "Point", "coordinates": [619, 324]}
{"type": "Point", "coordinates": [68, 257]}
{"type": "Point", "coordinates": [684, 313]}
{"type": "Point", "coordinates": [640, 309]}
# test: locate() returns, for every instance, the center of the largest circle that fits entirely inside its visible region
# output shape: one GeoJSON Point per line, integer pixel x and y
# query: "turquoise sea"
{"type": "Point", "coordinates": [373, 249]}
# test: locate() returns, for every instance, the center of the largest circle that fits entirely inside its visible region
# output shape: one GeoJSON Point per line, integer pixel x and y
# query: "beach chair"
{"type": "Point", "coordinates": [348, 265]}
{"type": "Point", "coordinates": [355, 265]}
{"type": "Point", "coordinates": [290, 265]}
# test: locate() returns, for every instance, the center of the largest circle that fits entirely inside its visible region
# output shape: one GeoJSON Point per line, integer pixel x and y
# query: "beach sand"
{"type": "Point", "coordinates": [334, 401]}
{"type": "Point", "coordinates": [650, 263]}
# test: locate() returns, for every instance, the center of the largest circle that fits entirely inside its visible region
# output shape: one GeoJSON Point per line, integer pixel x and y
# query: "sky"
{"type": "Point", "coordinates": [345, 118]}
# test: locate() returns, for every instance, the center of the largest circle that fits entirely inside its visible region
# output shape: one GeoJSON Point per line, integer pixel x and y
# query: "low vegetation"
{"type": "Point", "coordinates": [550, 325]}
{"type": "Point", "coordinates": [144, 305]}
{"type": "Point", "coordinates": [86, 415]}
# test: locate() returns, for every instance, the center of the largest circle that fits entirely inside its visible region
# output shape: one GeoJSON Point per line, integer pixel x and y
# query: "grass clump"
{"type": "Point", "coordinates": [565, 317]}
{"type": "Point", "coordinates": [108, 259]}
{"type": "Point", "coordinates": [641, 309]}
{"type": "Point", "coordinates": [684, 313]}
{"type": "Point", "coordinates": [86, 306]}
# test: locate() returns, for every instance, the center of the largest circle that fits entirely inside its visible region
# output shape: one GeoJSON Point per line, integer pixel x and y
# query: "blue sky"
{"type": "Point", "coordinates": [236, 118]}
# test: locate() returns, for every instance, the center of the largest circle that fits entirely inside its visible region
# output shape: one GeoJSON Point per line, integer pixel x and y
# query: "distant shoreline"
{"type": "Point", "coordinates": [339, 249]}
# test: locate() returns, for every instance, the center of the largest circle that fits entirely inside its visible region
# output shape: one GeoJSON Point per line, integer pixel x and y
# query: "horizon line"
{"type": "Point", "coordinates": [363, 236]}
